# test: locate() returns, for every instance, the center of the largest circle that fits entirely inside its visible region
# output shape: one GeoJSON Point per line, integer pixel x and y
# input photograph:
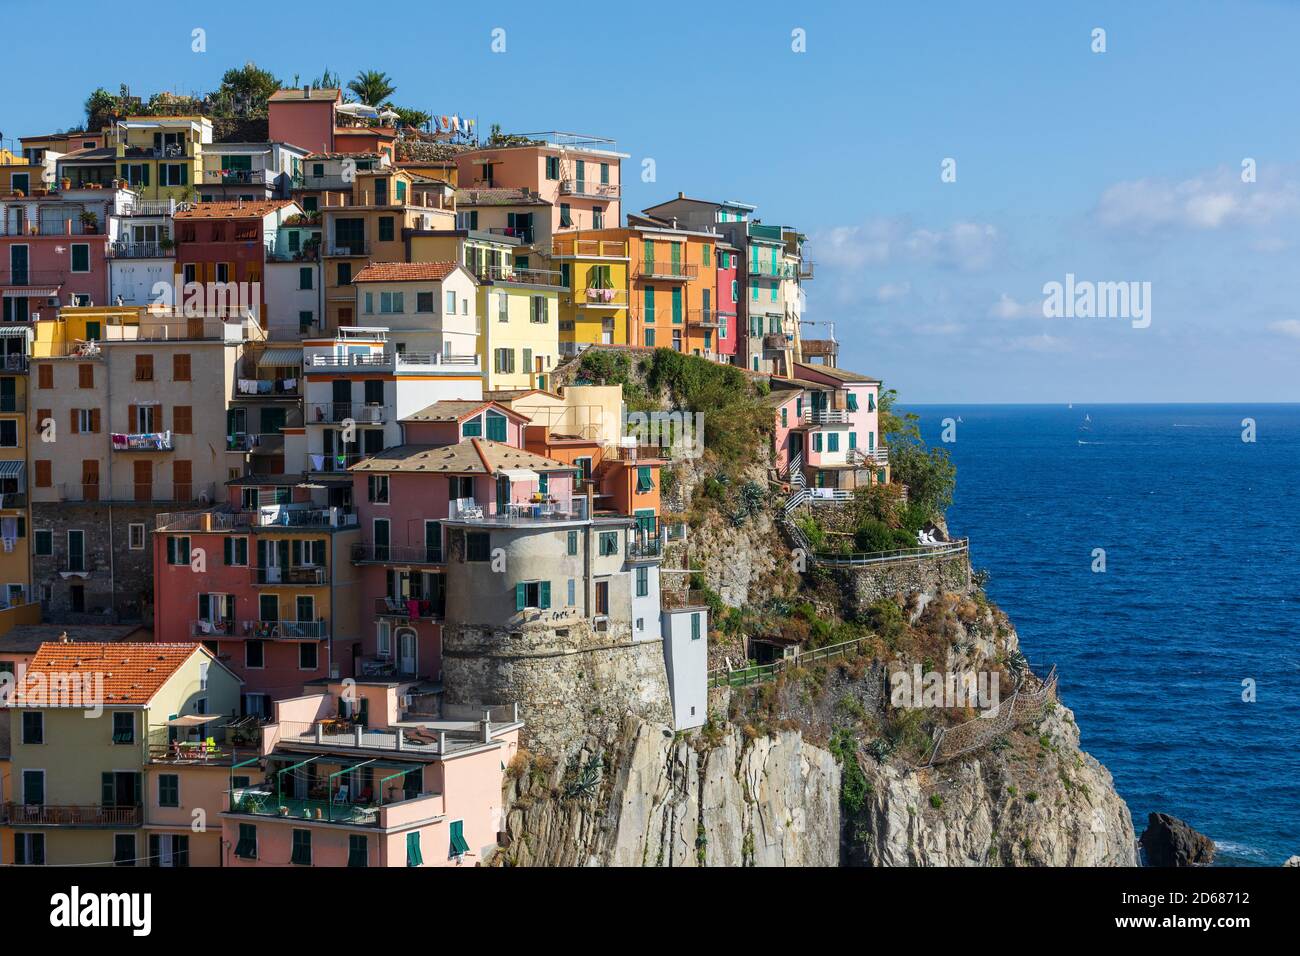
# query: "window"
{"type": "Point", "coordinates": [301, 854]}
{"type": "Point", "coordinates": [123, 727]}
{"type": "Point", "coordinates": [573, 592]}
{"type": "Point", "coordinates": [76, 551]}
{"type": "Point", "coordinates": [450, 307]}
{"type": "Point", "coordinates": [235, 552]}
{"type": "Point", "coordinates": [552, 167]}
{"type": "Point", "coordinates": [80, 257]}
{"type": "Point", "coordinates": [358, 851]}
{"type": "Point", "coordinates": [608, 543]}
{"type": "Point", "coordinates": [169, 849]}
{"type": "Point", "coordinates": [853, 401]}
{"type": "Point", "coordinates": [642, 582]}
{"type": "Point", "coordinates": [34, 787]}
{"type": "Point", "coordinates": [650, 338]}
{"type": "Point", "coordinates": [246, 848]}
{"type": "Point", "coordinates": [478, 546]}
{"type": "Point", "coordinates": [566, 215]}
{"type": "Point", "coordinates": [183, 420]}
{"type": "Point", "coordinates": [173, 174]}
{"type": "Point", "coordinates": [391, 303]}
{"type": "Point", "coordinates": [144, 368]}
{"type": "Point", "coordinates": [644, 481]}
{"type": "Point", "coordinates": [457, 833]}
{"type": "Point", "coordinates": [181, 367]}
{"type": "Point", "coordinates": [43, 545]}
{"type": "Point", "coordinates": [833, 441]}
{"type": "Point", "coordinates": [504, 360]}
{"type": "Point", "coordinates": [573, 543]}
{"type": "Point", "coordinates": [124, 849]}
{"type": "Point", "coordinates": [695, 627]}
{"type": "Point", "coordinates": [532, 594]}
{"type": "Point", "coordinates": [597, 217]}
{"type": "Point", "coordinates": [386, 228]}
{"type": "Point", "coordinates": [169, 790]}
{"type": "Point", "coordinates": [424, 302]}
{"type": "Point", "coordinates": [254, 654]}
{"type": "Point", "coordinates": [503, 307]}
{"type": "Point", "coordinates": [9, 433]}
{"type": "Point", "coordinates": [413, 855]}
{"type": "Point", "coordinates": [785, 421]}
{"type": "Point", "coordinates": [308, 656]}
{"type": "Point", "coordinates": [539, 310]}
{"type": "Point", "coordinates": [178, 550]}
{"type": "Point", "coordinates": [29, 849]}
{"type": "Point", "coordinates": [33, 727]}
{"type": "Point", "coordinates": [305, 320]}
{"type": "Point", "coordinates": [45, 376]}
{"type": "Point", "coordinates": [304, 278]}
{"type": "Point", "coordinates": [817, 441]}
{"type": "Point", "coordinates": [377, 488]}
{"type": "Point", "coordinates": [85, 376]}
{"type": "Point", "coordinates": [135, 536]}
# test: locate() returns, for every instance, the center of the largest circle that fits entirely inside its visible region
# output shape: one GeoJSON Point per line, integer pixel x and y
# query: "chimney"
{"type": "Point", "coordinates": [63, 638]}
{"type": "Point", "coordinates": [681, 195]}
{"type": "Point", "coordinates": [306, 92]}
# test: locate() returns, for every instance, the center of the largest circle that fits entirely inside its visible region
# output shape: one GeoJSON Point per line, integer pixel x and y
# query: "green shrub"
{"type": "Point", "coordinates": [872, 535]}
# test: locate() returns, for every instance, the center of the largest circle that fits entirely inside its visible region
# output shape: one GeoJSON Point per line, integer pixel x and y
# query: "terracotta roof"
{"type": "Point", "coordinates": [497, 196]}
{"type": "Point", "coordinates": [132, 673]}
{"type": "Point", "coordinates": [295, 95]}
{"type": "Point", "coordinates": [455, 411]}
{"type": "Point", "coordinates": [474, 456]}
{"type": "Point", "coordinates": [405, 272]}
{"type": "Point", "coordinates": [842, 374]}
{"type": "Point", "coordinates": [248, 209]}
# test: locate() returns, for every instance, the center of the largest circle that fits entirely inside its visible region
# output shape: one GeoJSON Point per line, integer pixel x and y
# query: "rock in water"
{"type": "Point", "coordinates": [1169, 841]}
{"type": "Point", "coordinates": [1292, 861]}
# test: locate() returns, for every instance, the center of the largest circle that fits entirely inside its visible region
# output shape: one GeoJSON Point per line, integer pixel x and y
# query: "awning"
{"type": "Point", "coordinates": [12, 469]}
{"type": "Point", "coordinates": [27, 292]}
{"type": "Point", "coordinates": [192, 720]}
{"type": "Point", "coordinates": [279, 358]}
{"type": "Point", "coordinates": [519, 474]}
{"type": "Point", "coordinates": [15, 331]}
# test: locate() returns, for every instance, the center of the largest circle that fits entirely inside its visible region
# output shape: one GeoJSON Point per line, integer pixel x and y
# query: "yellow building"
{"type": "Point", "coordinates": [80, 788]}
{"type": "Point", "coordinates": [160, 157]}
{"type": "Point", "coordinates": [519, 344]}
{"type": "Point", "coordinates": [15, 516]}
{"type": "Point", "coordinates": [594, 303]}
{"type": "Point", "coordinates": [19, 174]}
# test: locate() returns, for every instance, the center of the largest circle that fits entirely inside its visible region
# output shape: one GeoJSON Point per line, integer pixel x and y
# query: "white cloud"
{"type": "Point", "coordinates": [1287, 327]}
{"type": "Point", "coordinates": [1213, 200]}
{"type": "Point", "coordinates": [1008, 308]}
{"type": "Point", "coordinates": [966, 246]}
{"type": "Point", "coordinates": [893, 291]}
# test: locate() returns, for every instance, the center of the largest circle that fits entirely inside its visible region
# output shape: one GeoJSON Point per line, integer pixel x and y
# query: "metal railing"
{"type": "Point", "coordinates": [308, 253]}
{"type": "Point", "coordinates": [545, 277]}
{"type": "Point", "coordinates": [142, 441]}
{"type": "Point", "coordinates": [332, 464]}
{"type": "Point", "coordinates": [826, 416]}
{"type": "Point", "coordinates": [411, 609]}
{"type": "Point", "coordinates": [679, 600]}
{"type": "Point", "coordinates": [668, 270]}
{"type": "Point", "coordinates": [274, 630]}
{"type": "Point", "coordinates": [585, 187]}
{"type": "Point", "coordinates": [756, 673]}
{"type": "Point", "coordinates": [235, 177]}
{"type": "Point", "coordinates": [332, 412]}
{"type": "Point", "coordinates": [351, 248]}
{"type": "Point", "coordinates": [368, 553]}
{"type": "Point", "coordinates": [293, 575]}
{"type": "Point", "coordinates": [704, 318]}
{"type": "Point", "coordinates": [72, 815]}
{"type": "Point", "coordinates": [141, 250]}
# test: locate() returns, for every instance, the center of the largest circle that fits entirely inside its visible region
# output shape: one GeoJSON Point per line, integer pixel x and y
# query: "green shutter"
{"type": "Point", "coordinates": [649, 308]}
{"type": "Point", "coordinates": [458, 844]}
{"type": "Point", "coordinates": [413, 855]}
{"type": "Point", "coordinates": [695, 627]}
{"type": "Point", "coordinates": [106, 792]}
{"type": "Point", "coordinates": [677, 305]}
{"type": "Point", "coordinates": [546, 594]}
{"type": "Point", "coordinates": [519, 597]}
{"type": "Point", "coordinates": [228, 547]}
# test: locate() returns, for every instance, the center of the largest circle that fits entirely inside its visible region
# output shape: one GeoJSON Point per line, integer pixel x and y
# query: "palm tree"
{"type": "Point", "coordinates": [372, 87]}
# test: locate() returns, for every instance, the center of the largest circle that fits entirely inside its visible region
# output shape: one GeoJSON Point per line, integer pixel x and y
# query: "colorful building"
{"type": "Point", "coordinates": [827, 429]}
{"type": "Point", "coordinates": [594, 303]}
{"type": "Point", "coordinates": [160, 157]}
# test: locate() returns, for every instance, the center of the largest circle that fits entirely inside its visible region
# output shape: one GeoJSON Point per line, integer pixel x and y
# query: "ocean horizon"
{"type": "Point", "coordinates": [1190, 615]}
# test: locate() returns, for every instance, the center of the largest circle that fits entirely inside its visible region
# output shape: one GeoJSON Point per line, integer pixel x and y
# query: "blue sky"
{"type": "Point", "coordinates": [1115, 166]}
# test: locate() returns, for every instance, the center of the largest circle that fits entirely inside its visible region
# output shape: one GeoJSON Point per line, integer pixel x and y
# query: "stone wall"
{"type": "Point", "coordinates": [118, 585]}
{"type": "Point", "coordinates": [863, 586]}
{"type": "Point", "coordinates": [568, 678]}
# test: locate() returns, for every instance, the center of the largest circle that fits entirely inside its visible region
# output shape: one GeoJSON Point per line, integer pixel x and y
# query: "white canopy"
{"type": "Point", "coordinates": [519, 474]}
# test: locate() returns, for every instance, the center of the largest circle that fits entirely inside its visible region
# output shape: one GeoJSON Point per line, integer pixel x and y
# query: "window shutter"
{"type": "Point", "coordinates": [131, 418]}
{"type": "Point", "coordinates": [94, 420]}
{"type": "Point", "coordinates": [229, 549]}
{"type": "Point", "coordinates": [171, 550]}
{"type": "Point", "coordinates": [519, 597]}
{"type": "Point", "coordinates": [545, 594]}
{"type": "Point", "coordinates": [106, 793]}
{"type": "Point", "coordinates": [73, 415]}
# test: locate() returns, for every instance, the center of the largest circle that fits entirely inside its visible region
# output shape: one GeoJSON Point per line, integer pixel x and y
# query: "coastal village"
{"type": "Point", "coordinates": [330, 478]}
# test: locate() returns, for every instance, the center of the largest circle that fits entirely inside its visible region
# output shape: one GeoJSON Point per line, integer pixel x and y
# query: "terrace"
{"type": "Point", "coordinates": [586, 189]}
{"type": "Point", "coordinates": [333, 412]}
{"type": "Point", "coordinates": [518, 514]}
{"type": "Point", "coordinates": [570, 248]}
{"type": "Point", "coordinates": [367, 553]}
{"type": "Point", "coordinates": [494, 273]}
{"type": "Point", "coordinates": [90, 815]}
{"type": "Point", "coordinates": [678, 271]}
{"type": "Point", "coordinates": [267, 516]}
{"type": "Point", "coordinates": [137, 493]}
{"type": "Point", "coordinates": [200, 739]}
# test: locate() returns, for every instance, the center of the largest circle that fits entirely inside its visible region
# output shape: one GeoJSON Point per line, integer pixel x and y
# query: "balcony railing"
{"type": "Point", "coordinates": [704, 318]}
{"type": "Point", "coordinates": [638, 452]}
{"type": "Point", "coordinates": [332, 412]}
{"type": "Point", "coordinates": [322, 182]}
{"type": "Point", "coordinates": [525, 236]}
{"type": "Point", "coordinates": [410, 609]}
{"type": "Point", "coordinates": [290, 516]}
{"type": "Point", "coordinates": [644, 544]}
{"type": "Point", "coordinates": [826, 416]}
{"type": "Point", "coordinates": [142, 441]}
{"type": "Point", "coordinates": [678, 600]}
{"type": "Point", "coordinates": [204, 628]}
{"type": "Point", "coordinates": [63, 227]}
{"type": "Point", "coordinates": [385, 360]}
{"type": "Point", "coordinates": [155, 207]}
{"type": "Point", "coordinates": [806, 269]}
{"type": "Point", "coordinates": [72, 815]}
{"type": "Point", "coordinates": [276, 630]}
{"type": "Point", "coordinates": [585, 187]}
{"type": "Point", "coordinates": [668, 270]}
{"type": "Point", "coordinates": [262, 802]}
{"type": "Point", "coordinates": [139, 493]}
{"type": "Point", "coordinates": [235, 177]}
{"type": "Point", "coordinates": [308, 253]}
{"type": "Point", "coordinates": [601, 299]}
{"type": "Point", "coordinates": [348, 249]}
{"type": "Point", "coordinates": [870, 457]}
{"type": "Point", "coordinates": [290, 575]}
{"type": "Point", "coordinates": [13, 363]}
{"type": "Point", "coordinates": [518, 513]}
{"type": "Point", "coordinates": [526, 276]}
{"type": "Point", "coordinates": [396, 554]}
{"type": "Point", "coordinates": [141, 250]}
{"type": "Point", "coordinates": [252, 389]}
{"type": "Point", "coordinates": [332, 464]}
{"type": "Point", "coordinates": [13, 499]}
{"type": "Point", "coordinates": [213, 745]}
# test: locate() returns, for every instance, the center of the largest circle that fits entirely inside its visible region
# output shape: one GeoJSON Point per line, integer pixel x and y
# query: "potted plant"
{"type": "Point", "coordinates": [65, 183]}
{"type": "Point", "coordinates": [90, 221]}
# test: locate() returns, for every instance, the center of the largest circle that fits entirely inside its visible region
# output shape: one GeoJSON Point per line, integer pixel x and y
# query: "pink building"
{"type": "Point", "coordinates": [728, 299]}
{"type": "Point", "coordinates": [304, 117]}
{"type": "Point", "coordinates": [362, 776]}
{"type": "Point", "coordinates": [403, 496]}
{"type": "Point", "coordinates": [828, 426]}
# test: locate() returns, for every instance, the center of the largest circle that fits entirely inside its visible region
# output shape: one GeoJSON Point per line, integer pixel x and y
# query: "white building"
{"type": "Point", "coordinates": [686, 658]}
{"type": "Point", "coordinates": [427, 307]}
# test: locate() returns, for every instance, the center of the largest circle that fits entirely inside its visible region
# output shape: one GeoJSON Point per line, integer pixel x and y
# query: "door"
{"type": "Point", "coordinates": [503, 494]}
{"type": "Point", "coordinates": [143, 475]}
{"type": "Point", "coordinates": [305, 610]}
{"type": "Point", "coordinates": [582, 178]}
{"type": "Point", "coordinates": [406, 651]}
{"type": "Point", "coordinates": [18, 265]}
{"type": "Point", "coordinates": [182, 481]}
{"type": "Point", "coordinates": [268, 607]}
{"type": "Point", "coordinates": [342, 395]}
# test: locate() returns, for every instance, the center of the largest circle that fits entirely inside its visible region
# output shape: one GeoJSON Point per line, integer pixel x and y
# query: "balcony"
{"type": "Point", "coordinates": [778, 341]}
{"type": "Point", "coordinates": [257, 801]}
{"type": "Point", "coordinates": [768, 270]}
{"type": "Point", "coordinates": [141, 250]}
{"type": "Point", "coordinates": [644, 544]}
{"type": "Point", "coordinates": [602, 299]}
{"type": "Point", "coordinates": [142, 441]}
{"type": "Point", "coordinates": [284, 630]}
{"type": "Point", "coordinates": [258, 443]}
{"type": "Point", "coordinates": [297, 516]}
{"type": "Point", "coordinates": [323, 182]}
{"type": "Point", "coordinates": [155, 207]}
{"type": "Point", "coordinates": [805, 269]}
{"type": "Point", "coordinates": [382, 361]}
{"type": "Point", "coordinates": [63, 227]}
{"type": "Point", "coordinates": [235, 177]}
{"type": "Point", "coordinates": [522, 276]}
{"type": "Point", "coordinates": [334, 412]}
{"type": "Point", "coordinates": [204, 629]}
{"type": "Point", "coordinates": [525, 236]}
{"type": "Point", "coordinates": [137, 493]}
{"type": "Point", "coordinates": [409, 609]}
{"type": "Point", "coordinates": [211, 745]}
{"type": "Point", "coordinates": [252, 389]}
{"type": "Point", "coordinates": [346, 250]}
{"type": "Point", "coordinates": [402, 555]}
{"type": "Point", "coordinates": [681, 600]}
{"type": "Point", "coordinates": [869, 457]}
{"type": "Point", "coordinates": [826, 416]}
{"type": "Point", "coordinates": [295, 576]}
{"type": "Point", "coordinates": [638, 452]}
{"type": "Point", "coordinates": [518, 514]}
{"type": "Point", "coordinates": [676, 271]}
{"type": "Point", "coordinates": [585, 188]}
{"type": "Point", "coordinates": [308, 253]}
{"type": "Point", "coordinates": [704, 318]}
{"type": "Point", "coordinates": [13, 363]}
{"type": "Point", "coordinates": [13, 499]}
{"type": "Point", "coordinates": [72, 815]}
{"type": "Point", "coordinates": [332, 464]}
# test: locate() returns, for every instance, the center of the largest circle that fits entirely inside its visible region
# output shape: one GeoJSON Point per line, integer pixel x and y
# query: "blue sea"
{"type": "Point", "coordinates": [1201, 592]}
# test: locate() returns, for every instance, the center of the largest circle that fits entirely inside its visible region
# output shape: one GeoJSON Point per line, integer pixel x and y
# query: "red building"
{"type": "Point", "coordinates": [728, 299]}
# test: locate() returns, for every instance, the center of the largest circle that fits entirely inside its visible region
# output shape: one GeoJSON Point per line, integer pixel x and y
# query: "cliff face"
{"type": "Point", "coordinates": [665, 800]}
